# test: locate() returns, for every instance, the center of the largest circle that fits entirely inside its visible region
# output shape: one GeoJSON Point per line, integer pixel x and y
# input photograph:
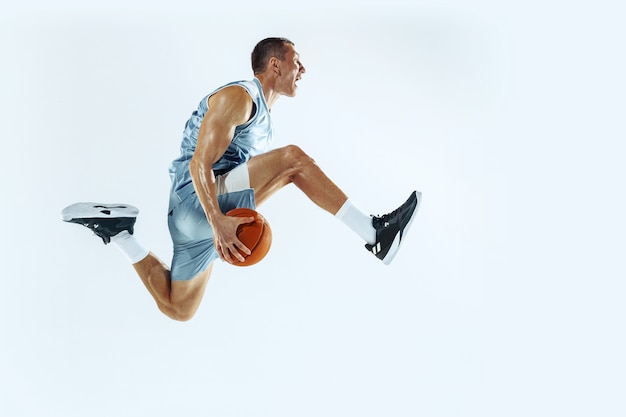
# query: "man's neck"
{"type": "Point", "coordinates": [271, 95]}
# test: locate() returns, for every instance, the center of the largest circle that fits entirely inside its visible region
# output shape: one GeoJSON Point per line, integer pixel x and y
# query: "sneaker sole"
{"type": "Point", "coordinates": [395, 245]}
{"type": "Point", "coordinates": [97, 211]}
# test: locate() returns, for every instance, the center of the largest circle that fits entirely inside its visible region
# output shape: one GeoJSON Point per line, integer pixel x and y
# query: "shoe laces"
{"type": "Point", "coordinates": [381, 222]}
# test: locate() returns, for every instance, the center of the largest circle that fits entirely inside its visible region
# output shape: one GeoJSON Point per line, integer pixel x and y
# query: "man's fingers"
{"type": "Point", "coordinates": [247, 220]}
{"type": "Point", "coordinates": [230, 248]}
{"type": "Point", "coordinates": [230, 253]}
{"type": "Point", "coordinates": [239, 244]}
{"type": "Point", "coordinates": [237, 255]}
{"type": "Point", "coordinates": [224, 253]}
{"type": "Point", "coordinates": [243, 248]}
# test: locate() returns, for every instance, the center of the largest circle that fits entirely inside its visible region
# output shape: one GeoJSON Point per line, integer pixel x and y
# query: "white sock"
{"type": "Point", "coordinates": [356, 220]}
{"type": "Point", "coordinates": [130, 246]}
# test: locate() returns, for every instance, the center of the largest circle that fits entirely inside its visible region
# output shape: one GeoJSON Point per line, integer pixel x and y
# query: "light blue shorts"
{"type": "Point", "coordinates": [191, 232]}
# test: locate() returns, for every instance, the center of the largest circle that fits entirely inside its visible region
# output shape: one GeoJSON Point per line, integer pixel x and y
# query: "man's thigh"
{"type": "Point", "coordinates": [271, 171]}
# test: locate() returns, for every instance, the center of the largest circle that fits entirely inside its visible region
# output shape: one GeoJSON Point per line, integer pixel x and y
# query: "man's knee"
{"type": "Point", "coordinates": [177, 313]}
{"type": "Point", "coordinates": [296, 157]}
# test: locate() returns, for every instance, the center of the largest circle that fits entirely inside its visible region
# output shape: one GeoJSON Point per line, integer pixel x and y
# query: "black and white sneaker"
{"type": "Point", "coordinates": [391, 228]}
{"type": "Point", "coordinates": [105, 220]}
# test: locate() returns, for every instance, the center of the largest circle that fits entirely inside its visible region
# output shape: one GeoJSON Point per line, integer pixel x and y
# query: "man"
{"type": "Point", "coordinates": [225, 162]}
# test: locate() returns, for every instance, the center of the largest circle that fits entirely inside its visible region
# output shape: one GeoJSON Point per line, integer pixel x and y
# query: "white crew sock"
{"type": "Point", "coordinates": [356, 220]}
{"type": "Point", "coordinates": [130, 246]}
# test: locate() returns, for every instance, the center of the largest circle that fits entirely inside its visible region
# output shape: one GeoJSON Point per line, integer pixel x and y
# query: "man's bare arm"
{"type": "Point", "coordinates": [228, 109]}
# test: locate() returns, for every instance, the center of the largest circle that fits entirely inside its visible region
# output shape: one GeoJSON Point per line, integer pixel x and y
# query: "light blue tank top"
{"type": "Point", "coordinates": [250, 139]}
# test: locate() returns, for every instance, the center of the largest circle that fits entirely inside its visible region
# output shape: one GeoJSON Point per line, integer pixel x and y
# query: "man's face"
{"type": "Point", "coordinates": [291, 70]}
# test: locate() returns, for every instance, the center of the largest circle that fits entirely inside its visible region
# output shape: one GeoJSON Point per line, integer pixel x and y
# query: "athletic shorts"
{"type": "Point", "coordinates": [191, 232]}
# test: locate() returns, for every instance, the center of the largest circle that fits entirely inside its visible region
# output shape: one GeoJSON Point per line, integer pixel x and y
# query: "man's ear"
{"type": "Point", "coordinates": [273, 65]}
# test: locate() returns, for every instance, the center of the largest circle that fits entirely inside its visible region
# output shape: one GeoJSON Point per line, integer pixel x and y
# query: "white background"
{"type": "Point", "coordinates": [507, 298]}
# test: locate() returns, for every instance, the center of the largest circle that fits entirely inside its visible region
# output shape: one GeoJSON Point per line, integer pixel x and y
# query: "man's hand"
{"type": "Point", "coordinates": [225, 239]}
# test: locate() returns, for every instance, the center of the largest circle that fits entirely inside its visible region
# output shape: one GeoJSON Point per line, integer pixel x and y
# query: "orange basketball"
{"type": "Point", "coordinates": [257, 236]}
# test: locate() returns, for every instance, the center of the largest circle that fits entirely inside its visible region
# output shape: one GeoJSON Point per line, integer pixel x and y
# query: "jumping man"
{"type": "Point", "coordinates": [225, 163]}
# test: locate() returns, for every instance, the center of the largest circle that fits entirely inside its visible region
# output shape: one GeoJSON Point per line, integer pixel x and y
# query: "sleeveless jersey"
{"type": "Point", "coordinates": [252, 138]}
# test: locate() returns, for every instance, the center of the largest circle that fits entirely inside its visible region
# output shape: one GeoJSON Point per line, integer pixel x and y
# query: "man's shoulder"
{"type": "Point", "coordinates": [250, 86]}
{"type": "Point", "coordinates": [235, 91]}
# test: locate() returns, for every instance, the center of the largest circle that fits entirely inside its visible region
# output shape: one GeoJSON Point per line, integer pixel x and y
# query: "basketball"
{"type": "Point", "coordinates": [257, 236]}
